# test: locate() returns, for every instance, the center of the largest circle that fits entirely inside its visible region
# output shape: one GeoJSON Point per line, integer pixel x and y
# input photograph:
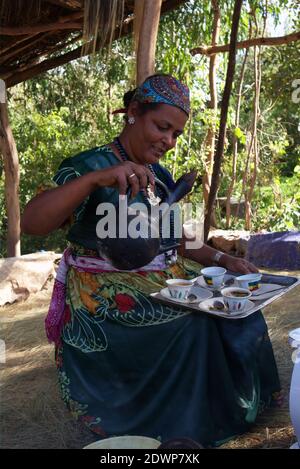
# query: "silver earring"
{"type": "Point", "coordinates": [131, 120]}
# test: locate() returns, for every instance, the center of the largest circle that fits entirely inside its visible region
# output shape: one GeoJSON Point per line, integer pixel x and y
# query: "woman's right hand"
{"type": "Point", "coordinates": [124, 175]}
{"type": "Point", "coordinates": [48, 211]}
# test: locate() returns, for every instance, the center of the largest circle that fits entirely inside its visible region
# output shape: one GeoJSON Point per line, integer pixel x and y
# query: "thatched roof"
{"type": "Point", "coordinates": [34, 34]}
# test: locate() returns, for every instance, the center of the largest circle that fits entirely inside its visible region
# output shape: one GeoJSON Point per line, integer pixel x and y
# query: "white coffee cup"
{"type": "Point", "coordinates": [249, 281]}
{"type": "Point", "coordinates": [179, 288]}
{"type": "Point", "coordinates": [213, 276]}
{"type": "Point", "coordinates": [235, 298]}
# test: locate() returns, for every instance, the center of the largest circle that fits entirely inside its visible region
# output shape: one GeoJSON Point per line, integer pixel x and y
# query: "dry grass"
{"type": "Point", "coordinates": [33, 414]}
{"type": "Point", "coordinates": [273, 428]}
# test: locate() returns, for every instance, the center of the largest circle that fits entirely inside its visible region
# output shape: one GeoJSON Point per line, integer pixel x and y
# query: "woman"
{"type": "Point", "coordinates": [126, 364]}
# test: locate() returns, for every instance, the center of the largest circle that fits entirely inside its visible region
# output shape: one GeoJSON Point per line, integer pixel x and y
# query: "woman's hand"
{"type": "Point", "coordinates": [238, 264]}
{"type": "Point", "coordinates": [206, 255]}
{"type": "Point", "coordinates": [123, 175]}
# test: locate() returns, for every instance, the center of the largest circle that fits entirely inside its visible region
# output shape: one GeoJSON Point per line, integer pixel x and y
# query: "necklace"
{"type": "Point", "coordinates": [125, 157]}
{"type": "Point", "coordinates": [123, 153]}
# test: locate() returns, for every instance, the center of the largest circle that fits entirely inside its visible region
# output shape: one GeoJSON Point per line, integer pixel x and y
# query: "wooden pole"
{"type": "Point", "coordinates": [210, 138]}
{"type": "Point", "coordinates": [145, 64]}
{"type": "Point", "coordinates": [235, 142]}
{"type": "Point", "coordinates": [223, 119]}
{"type": "Point", "coordinates": [138, 18]}
{"type": "Point", "coordinates": [12, 175]}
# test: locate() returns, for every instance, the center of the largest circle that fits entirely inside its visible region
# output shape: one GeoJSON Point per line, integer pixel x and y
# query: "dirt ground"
{"type": "Point", "coordinates": [32, 414]}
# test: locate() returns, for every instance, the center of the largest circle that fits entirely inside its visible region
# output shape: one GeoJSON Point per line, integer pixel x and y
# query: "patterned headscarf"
{"type": "Point", "coordinates": [163, 89]}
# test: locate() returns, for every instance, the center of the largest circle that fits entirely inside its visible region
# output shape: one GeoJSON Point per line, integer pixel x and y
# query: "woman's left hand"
{"type": "Point", "coordinates": [238, 264]}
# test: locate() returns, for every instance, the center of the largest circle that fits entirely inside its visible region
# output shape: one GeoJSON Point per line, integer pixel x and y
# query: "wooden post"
{"type": "Point", "coordinates": [223, 119]}
{"type": "Point", "coordinates": [12, 176]}
{"type": "Point", "coordinates": [211, 132]}
{"type": "Point", "coordinates": [145, 64]}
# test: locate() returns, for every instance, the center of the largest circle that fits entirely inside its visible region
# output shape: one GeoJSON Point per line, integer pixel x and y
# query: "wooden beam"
{"type": "Point", "coordinates": [12, 176]}
{"type": "Point", "coordinates": [15, 78]}
{"type": "Point", "coordinates": [42, 67]}
{"type": "Point", "coordinates": [22, 47]}
{"type": "Point", "coordinates": [147, 40]}
{"type": "Point", "coordinates": [36, 59]}
{"type": "Point", "coordinates": [63, 22]}
{"type": "Point", "coordinates": [39, 28]}
{"type": "Point", "coordinates": [13, 51]}
{"type": "Point", "coordinates": [258, 41]}
{"type": "Point", "coordinates": [72, 4]}
{"type": "Point", "coordinates": [50, 64]}
{"type": "Point", "coordinates": [14, 43]}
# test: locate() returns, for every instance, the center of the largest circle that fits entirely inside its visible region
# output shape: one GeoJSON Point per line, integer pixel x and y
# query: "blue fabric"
{"type": "Point", "coordinates": [196, 376]}
{"type": "Point", "coordinates": [164, 89]}
{"type": "Point", "coordinates": [279, 250]}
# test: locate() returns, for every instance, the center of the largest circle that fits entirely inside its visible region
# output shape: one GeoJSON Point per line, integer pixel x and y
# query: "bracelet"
{"type": "Point", "coordinates": [216, 258]}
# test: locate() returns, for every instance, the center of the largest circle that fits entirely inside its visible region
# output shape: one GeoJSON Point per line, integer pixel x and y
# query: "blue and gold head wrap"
{"type": "Point", "coordinates": [163, 89]}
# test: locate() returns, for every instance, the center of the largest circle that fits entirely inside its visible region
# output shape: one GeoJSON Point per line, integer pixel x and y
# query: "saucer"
{"type": "Point", "coordinates": [201, 282]}
{"type": "Point", "coordinates": [207, 306]}
{"type": "Point", "coordinates": [200, 293]}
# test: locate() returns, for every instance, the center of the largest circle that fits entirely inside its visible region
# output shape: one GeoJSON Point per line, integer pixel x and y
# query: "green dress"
{"type": "Point", "coordinates": [130, 366]}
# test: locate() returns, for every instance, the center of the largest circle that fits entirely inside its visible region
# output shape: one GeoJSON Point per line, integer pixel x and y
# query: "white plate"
{"type": "Point", "coordinates": [201, 294]}
{"type": "Point", "coordinates": [125, 442]}
{"type": "Point", "coordinates": [207, 304]}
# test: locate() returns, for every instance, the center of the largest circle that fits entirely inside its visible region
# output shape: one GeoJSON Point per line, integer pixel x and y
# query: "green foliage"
{"type": "Point", "coordinates": [279, 206]}
{"type": "Point", "coordinates": [240, 135]}
{"type": "Point", "coordinates": [54, 117]}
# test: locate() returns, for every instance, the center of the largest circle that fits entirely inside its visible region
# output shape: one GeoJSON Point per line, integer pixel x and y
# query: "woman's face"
{"type": "Point", "coordinates": [155, 132]}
